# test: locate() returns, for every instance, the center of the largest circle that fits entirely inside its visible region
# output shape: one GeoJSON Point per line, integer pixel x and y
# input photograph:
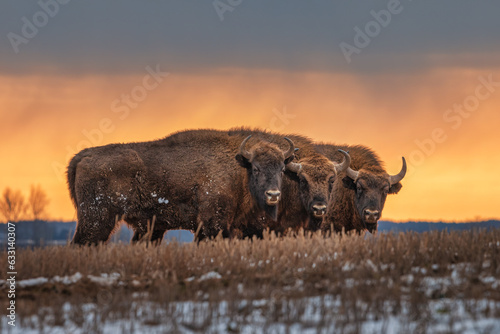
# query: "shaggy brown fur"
{"type": "Point", "coordinates": [301, 191]}
{"type": "Point", "coordinates": [351, 197]}
{"type": "Point", "coordinates": [184, 180]}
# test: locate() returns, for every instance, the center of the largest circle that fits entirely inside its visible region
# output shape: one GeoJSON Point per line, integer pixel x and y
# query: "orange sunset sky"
{"type": "Point", "coordinates": [426, 87]}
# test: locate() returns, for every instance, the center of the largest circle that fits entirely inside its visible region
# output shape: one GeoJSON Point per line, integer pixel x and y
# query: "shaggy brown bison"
{"type": "Point", "coordinates": [359, 194]}
{"type": "Point", "coordinates": [186, 180]}
{"type": "Point", "coordinates": [307, 185]}
{"type": "Point", "coordinates": [310, 180]}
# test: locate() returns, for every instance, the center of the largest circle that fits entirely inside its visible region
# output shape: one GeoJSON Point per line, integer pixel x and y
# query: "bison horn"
{"type": "Point", "coordinates": [345, 164]}
{"type": "Point", "coordinates": [352, 173]}
{"type": "Point", "coordinates": [294, 167]}
{"type": "Point", "coordinates": [393, 179]}
{"type": "Point", "coordinates": [243, 151]}
{"type": "Point", "coordinates": [291, 149]}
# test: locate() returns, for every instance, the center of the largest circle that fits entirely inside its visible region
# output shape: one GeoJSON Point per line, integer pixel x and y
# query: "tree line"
{"type": "Point", "coordinates": [15, 207]}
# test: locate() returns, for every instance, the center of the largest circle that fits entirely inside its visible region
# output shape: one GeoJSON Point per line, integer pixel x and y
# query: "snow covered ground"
{"type": "Point", "coordinates": [444, 316]}
{"type": "Point", "coordinates": [305, 289]}
{"type": "Point", "coordinates": [323, 314]}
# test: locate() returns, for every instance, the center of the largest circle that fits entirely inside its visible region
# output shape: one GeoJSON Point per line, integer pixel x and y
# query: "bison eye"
{"type": "Point", "coordinates": [386, 191]}
{"type": "Point", "coordinates": [255, 169]}
{"type": "Point", "coordinates": [331, 179]}
{"type": "Point", "coordinates": [359, 188]}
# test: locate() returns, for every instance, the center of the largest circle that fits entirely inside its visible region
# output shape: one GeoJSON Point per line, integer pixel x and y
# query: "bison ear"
{"type": "Point", "coordinates": [242, 161]}
{"type": "Point", "coordinates": [395, 188]}
{"type": "Point", "coordinates": [349, 183]}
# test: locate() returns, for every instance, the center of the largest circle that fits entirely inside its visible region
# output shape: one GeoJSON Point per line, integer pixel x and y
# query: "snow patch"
{"type": "Point", "coordinates": [104, 279]}
{"type": "Point", "coordinates": [347, 267]}
{"type": "Point", "coordinates": [32, 282]}
{"type": "Point", "coordinates": [204, 277]}
{"type": "Point", "coordinates": [210, 275]}
{"type": "Point", "coordinates": [67, 280]}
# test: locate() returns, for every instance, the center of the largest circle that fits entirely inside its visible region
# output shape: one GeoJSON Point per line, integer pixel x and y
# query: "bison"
{"type": "Point", "coordinates": [359, 194]}
{"type": "Point", "coordinates": [306, 187]}
{"type": "Point", "coordinates": [187, 180]}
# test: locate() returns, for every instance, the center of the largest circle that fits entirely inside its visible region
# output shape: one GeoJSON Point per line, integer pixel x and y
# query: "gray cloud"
{"type": "Point", "coordinates": [118, 36]}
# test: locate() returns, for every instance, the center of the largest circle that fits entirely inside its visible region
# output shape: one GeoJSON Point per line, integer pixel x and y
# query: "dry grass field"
{"type": "Point", "coordinates": [445, 282]}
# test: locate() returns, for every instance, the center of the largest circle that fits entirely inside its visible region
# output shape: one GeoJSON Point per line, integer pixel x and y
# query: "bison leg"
{"type": "Point", "coordinates": [211, 227]}
{"type": "Point", "coordinates": [156, 236]}
{"type": "Point", "coordinates": [249, 232]}
{"type": "Point", "coordinates": [94, 226]}
{"type": "Point", "coordinates": [214, 216]}
{"type": "Point", "coordinates": [137, 236]}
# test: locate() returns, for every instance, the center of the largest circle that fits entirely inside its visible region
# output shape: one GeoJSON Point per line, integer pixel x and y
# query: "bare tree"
{"type": "Point", "coordinates": [12, 205]}
{"type": "Point", "coordinates": [37, 202]}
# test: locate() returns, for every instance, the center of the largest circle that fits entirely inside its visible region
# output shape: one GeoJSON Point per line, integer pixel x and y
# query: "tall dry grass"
{"type": "Point", "coordinates": [369, 275]}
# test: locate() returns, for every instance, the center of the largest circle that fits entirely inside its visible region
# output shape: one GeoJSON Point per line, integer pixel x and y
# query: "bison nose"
{"type": "Point", "coordinates": [319, 210]}
{"type": "Point", "coordinates": [371, 216]}
{"type": "Point", "coordinates": [273, 193]}
{"type": "Point", "coordinates": [273, 197]}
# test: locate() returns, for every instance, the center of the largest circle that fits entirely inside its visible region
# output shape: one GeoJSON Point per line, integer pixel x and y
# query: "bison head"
{"type": "Point", "coordinates": [316, 175]}
{"type": "Point", "coordinates": [265, 163]}
{"type": "Point", "coordinates": [371, 192]}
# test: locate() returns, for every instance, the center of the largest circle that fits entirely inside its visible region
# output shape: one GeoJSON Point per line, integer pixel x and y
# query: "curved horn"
{"type": "Point", "coordinates": [344, 164]}
{"type": "Point", "coordinates": [243, 151]}
{"type": "Point", "coordinates": [352, 173]}
{"type": "Point", "coordinates": [294, 167]}
{"type": "Point", "coordinates": [393, 179]}
{"type": "Point", "coordinates": [291, 149]}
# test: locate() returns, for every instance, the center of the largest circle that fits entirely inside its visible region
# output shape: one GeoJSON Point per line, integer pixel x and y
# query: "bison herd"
{"type": "Point", "coordinates": [237, 183]}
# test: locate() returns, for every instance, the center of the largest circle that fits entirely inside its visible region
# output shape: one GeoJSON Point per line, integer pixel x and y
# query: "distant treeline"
{"type": "Point", "coordinates": [38, 233]}
{"type": "Point", "coordinates": [387, 226]}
